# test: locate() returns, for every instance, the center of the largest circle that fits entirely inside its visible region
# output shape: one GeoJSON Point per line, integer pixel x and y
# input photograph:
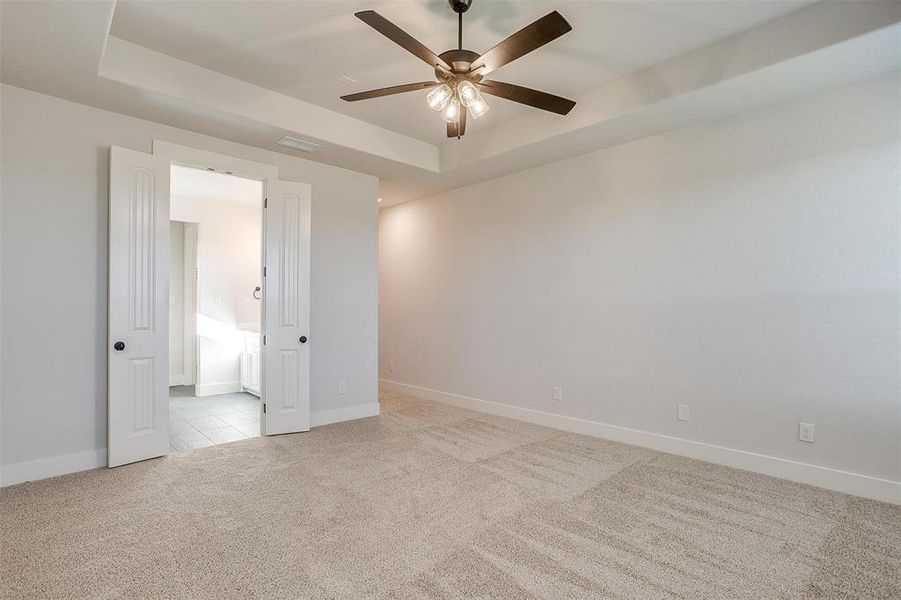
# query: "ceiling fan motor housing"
{"type": "Point", "coordinates": [459, 60]}
{"type": "Point", "coordinates": [460, 6]}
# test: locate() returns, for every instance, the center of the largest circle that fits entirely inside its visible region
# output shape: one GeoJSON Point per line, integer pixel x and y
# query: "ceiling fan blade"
{"type": "Point", "coordinates": [400, 37]}
{"type": "Point", "coordinates": [530, 37]}
{"type": "Point", "coordinates": [389, 91]}
{"type": "Point", "coordinates": [456, 130]}
{"type": "Point", "coordinates": [528, 96]}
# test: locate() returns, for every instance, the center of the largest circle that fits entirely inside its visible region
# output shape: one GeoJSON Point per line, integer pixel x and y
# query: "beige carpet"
{"type": "Point", "coordinates": [428, 501]}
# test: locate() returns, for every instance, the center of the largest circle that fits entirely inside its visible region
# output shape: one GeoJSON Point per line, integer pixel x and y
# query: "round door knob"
{"type": "Point", "coordinates": [119, 346]}
{"type": "Point", "coordinates": [303, 339]}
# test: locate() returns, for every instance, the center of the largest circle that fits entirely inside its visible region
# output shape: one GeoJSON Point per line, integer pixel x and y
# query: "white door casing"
{"type": "Point", "coordinates": [138, 374]}
{"type": "Point", "coordinates": [286, 314]}
{"type": "Point", "coordinates": [190, 286]}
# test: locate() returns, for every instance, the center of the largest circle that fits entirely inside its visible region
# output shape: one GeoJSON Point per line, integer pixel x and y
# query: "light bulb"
{"type": "Point", "coordinates": [478, 107]}
{"type": "Point", "coordinates": [438, 97]}
{"type": "Point", "coordinates": [468, 93]}
{"type": "Point", "coordinates": [451, 111]}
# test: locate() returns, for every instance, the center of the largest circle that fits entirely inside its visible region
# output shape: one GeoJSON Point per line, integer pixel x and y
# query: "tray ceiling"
{"type": "Point", "coordinates": [302, 49]}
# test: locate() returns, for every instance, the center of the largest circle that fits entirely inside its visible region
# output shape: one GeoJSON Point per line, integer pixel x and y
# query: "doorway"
{"type": "Point", "coordinates": [138, 382]}
{"type": "Point", "coordinates": [215, 285]}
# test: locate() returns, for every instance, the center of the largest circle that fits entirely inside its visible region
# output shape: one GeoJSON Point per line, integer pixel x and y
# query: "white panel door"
{"type": "Point", "coordinates": [138, 306]}
{"type": "Point", "coordinates": [286, 308]}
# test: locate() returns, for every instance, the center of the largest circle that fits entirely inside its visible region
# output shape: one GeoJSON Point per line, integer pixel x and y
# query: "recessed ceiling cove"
{"type": "Point", "coordinates": [303, 49]}
{"type": "Point", "coordinates": [254, 72]}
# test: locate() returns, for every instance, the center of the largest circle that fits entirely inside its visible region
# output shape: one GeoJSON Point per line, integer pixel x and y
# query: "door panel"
{"type": "Point", "coordinates": [286, 293]}
{"type": "Point", "coordinates": [138, 365]}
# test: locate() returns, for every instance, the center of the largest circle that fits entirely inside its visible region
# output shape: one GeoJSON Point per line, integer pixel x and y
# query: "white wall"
{"type": "Point", "coordinates": [228, 267]}
{"type": "Point", "coordinates": [748, 268]}
{"type": "Point", "coordinates": [176, 303]}
{"type": "Point", "coordinates": [53, 266]}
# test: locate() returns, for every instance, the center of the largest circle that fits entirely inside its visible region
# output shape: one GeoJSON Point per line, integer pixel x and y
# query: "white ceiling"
{"type": "Point", "coordinates": [188, 182]}
{"type": "Point", "coordinates": [302, 49]}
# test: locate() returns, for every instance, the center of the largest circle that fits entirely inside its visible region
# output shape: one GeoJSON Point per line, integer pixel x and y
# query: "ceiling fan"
{"type": "Point", "coordinates": [461, 73]}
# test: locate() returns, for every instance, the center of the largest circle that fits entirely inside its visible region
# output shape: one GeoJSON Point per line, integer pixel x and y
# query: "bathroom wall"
{"type": "Point", "coordinates": [228, 269]}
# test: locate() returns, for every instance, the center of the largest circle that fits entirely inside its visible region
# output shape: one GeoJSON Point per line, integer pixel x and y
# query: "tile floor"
{"type": "Point", "coordinates": [198, 422]}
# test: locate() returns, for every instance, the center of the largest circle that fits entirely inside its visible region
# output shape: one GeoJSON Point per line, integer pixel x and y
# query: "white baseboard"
{"type": "Point", "coordinates": [176, 380]}
{"type": "Point", "coordinates": [92, 459]}
{"type": "Point", "coordinates": [825, 477]}
{"type": "Point", "coordinates": [212, 389]}
{"type": "Point", "coordinates": [336, 415]}
{"type": "Point", "coordinates": [51, 467]}
{"type": "Point", "coordinates": [256, 392]}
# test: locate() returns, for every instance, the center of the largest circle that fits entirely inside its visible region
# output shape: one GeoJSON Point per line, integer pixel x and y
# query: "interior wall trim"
{"type": "Point", "coordinates": [93, 459]}
{"type": "Point", "coordinates": [213, 389]}
{"type": "Point", "coordinates": [223, 163]}
{"type": "Point", "coordinates": [833, 479]}
{"type": "Point", "coordinates": [348, 413]}
{"type": "Point", "coordinates": [52, 466]}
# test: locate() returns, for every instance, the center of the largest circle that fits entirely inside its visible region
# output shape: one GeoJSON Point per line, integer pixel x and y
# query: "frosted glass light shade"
{"type": "Point", "coordinates": [478, 107]}
{"type": "Point", "coordinates": [468, 93]}
{"type": "Point", "coordinates": [438, 98]}
{"type": "Point", "coordinates": [451, 111]}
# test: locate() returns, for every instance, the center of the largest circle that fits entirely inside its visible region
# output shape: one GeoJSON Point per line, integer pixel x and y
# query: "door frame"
{"type": "Point", "coordinates": [222, 163]}
{"type": "Point", "coordinates": [190, 304]}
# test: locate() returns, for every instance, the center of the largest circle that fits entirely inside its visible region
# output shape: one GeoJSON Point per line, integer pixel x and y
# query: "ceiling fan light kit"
{"type": "Point", "coordinates": [477, 108]}
{"type": "Point", "coordinates": [461, 73]}
{"type": "Point", "coordinates": [468, 93]}
{"type": "Point", "coordinates": [439, 97]}
{"type": "Point", "coordinates": [451, 112]}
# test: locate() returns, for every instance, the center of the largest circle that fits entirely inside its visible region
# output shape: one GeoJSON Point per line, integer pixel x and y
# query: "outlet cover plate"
{"type": "Point", "coordinates": [806, 432]}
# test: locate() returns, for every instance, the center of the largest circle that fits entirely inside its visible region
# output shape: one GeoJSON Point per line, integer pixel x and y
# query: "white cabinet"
{"type": "Point", "coordinates": [250, 373]}
{"type": "Point", "coordinates": [250, 364]}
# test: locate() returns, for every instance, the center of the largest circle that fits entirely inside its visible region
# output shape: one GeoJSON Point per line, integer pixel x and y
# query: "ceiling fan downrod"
{"type": "Point", "coordinates": [460, 7]}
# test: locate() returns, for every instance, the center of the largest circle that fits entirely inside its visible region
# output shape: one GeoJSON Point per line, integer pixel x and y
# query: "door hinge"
{"type": "Point", "coordinates": [264, 340]}
{"type": "Point", "coordinates": [264, 271]}
{"type": "Point", "coordinates": [265, 202]}
{"type": "Point", "coordinates": [264, 408]}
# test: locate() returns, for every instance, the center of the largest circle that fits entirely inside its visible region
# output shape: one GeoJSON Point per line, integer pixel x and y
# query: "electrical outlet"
{"type": "Point", "coordinates": [806, 432]}
{"type": "Point", "coordinates": [682, 412]}
{"type": "Point", "coordinates": [558, 393]}
{"type": "Point", "coordinates": [342, 387]}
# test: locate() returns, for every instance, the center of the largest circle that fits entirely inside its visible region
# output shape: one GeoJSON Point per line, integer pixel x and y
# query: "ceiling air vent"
{"type": "Point", "coordinates": [299, 144]}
